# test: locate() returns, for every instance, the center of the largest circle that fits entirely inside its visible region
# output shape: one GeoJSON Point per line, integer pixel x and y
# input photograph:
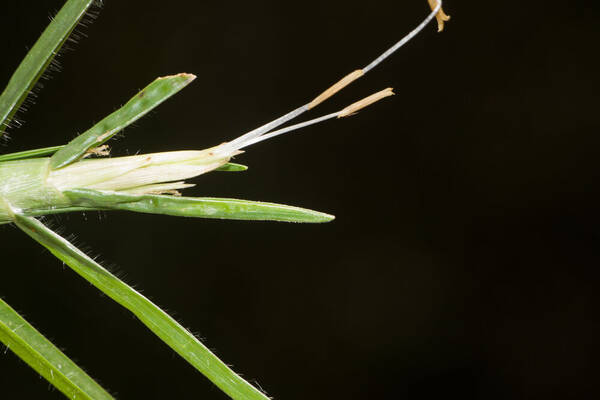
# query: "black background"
{"type": "Point", "coordinates": [464, 257]}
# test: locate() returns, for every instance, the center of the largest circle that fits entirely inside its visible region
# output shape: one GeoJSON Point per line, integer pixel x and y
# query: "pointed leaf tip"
{"type": "Point", "coordinates": [198, 207]}
{"type": "Point", "coordinates": [187, 76]}
{"type": "Point", "coordinates": [232, 167]}
{"type": "Point", "coordinates": [138, 106]}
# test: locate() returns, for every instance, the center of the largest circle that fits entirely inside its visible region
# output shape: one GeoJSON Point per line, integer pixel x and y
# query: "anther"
{"type": "Point", "coordinates": [342, 83]}
{"type": "Point", "coordinates": [367, 101]}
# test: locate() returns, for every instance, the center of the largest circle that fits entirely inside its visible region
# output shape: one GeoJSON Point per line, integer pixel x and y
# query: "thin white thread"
{"type": "Point", "coordinates": [404, 40]}
{"type": "Point", "coordinates": [265, 128]}
{"type": "Point", "coordinates": [250, 137]}
{"type": "Point", "coordinates": [288, 129]}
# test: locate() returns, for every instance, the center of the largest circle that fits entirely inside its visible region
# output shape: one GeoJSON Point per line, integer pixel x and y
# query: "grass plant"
{"type": "Point", "coordinates": [79, 176]}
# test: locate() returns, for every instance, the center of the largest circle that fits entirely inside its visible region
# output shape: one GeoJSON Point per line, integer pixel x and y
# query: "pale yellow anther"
{"type": "Point", "coordinates": [440, 16]}
{"type": "Point", "coordinates": [367, 101]}
{"type": "Point", "coordinates": [342, 83]}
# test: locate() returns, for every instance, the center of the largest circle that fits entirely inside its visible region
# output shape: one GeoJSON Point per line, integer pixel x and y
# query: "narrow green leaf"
{"type": "Point", "coordinates": [200, 207]}
{"type": "Point", "coordinates": [232, 167]}
{"type": "Point", "coordinates": [39, 57]}
{"type": "Point", "coordinates": [41, 355]}
{"type": "Point", "coordinates": [44, 152]}
{"type": "Point", "coordinates": [140, 104]}
{"type": "Point", "coordinates": [159, 322]}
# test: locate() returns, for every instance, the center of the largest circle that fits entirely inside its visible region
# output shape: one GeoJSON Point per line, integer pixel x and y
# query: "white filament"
{"type": "Point", "coordinates": [250, 137]}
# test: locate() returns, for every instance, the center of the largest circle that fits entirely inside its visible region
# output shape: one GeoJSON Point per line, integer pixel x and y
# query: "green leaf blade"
{"type": "Point", "coordinates": [39, 57]}
{"type": "Point", "coordinates": [45, 358]}
{"type": "Point", "coordinates": [197, 207]}
{"type": "Point", "coordinates": [158, 321]}
{"type": "Point", "coordinates": [138, 106]}
{"type": "Point", "coordinates": [43, 152]}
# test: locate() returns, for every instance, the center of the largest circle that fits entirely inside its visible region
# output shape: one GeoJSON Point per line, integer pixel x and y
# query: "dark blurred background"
{"type": "Point", "coordinates": [464, 258]}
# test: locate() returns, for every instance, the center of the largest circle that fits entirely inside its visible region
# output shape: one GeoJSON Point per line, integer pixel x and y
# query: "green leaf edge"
{"type": "Point", "coordinates": [138, 106]}
{"type": "Point", "coordinates": [39, 57]}
{"type": "Point", "coordinates": [197, 207]}
{"type": "Point", "coordinates": [41, 355]}
{"type": "Point", "coordinates": [158, 321]}
{"type": "Point", "coordinates": [43, 152]}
